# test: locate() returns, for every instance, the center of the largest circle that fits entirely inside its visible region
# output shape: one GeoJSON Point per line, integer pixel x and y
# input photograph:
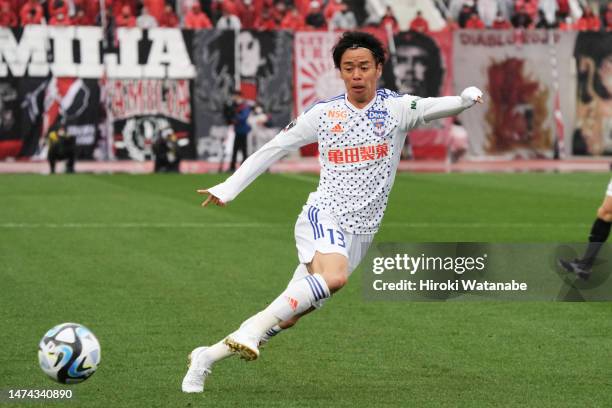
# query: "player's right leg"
{"type": "Point", "coordinates": [600, 231]}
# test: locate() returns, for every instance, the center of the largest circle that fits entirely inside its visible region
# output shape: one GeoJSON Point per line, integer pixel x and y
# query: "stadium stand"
{"type": "Point", "coordinates": [428, 15]}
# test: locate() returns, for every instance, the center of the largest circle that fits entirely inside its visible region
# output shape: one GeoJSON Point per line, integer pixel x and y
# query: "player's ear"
{"type": "Point", "coordinates": [379, 68]}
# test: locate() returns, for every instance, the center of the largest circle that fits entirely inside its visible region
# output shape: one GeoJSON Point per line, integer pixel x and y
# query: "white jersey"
{"type": "Point", "coordinates": [359, 151]}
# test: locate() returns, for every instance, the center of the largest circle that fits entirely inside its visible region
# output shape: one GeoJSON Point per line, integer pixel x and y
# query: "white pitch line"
{"type": "Point", "coordinates": [143, 225]}
{"type": "Point", "coordinates": [246, 225]}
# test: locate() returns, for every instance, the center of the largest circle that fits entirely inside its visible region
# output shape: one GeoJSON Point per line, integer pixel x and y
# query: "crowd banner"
{"type": "Point", "coordinates": [513, 68]}
{"type": "Point", "coordinates": [141, 110]}
{"type": "Point", "coordinates": [592, 133]}
{"type": "Point", "coordinates": [57, 75]}
{"type": "Point", "coordinates": [315, 76]}
{"type": "Point", "coordinates": [214, 57]}
{"type": "Point", "coordinates": [266, 74]}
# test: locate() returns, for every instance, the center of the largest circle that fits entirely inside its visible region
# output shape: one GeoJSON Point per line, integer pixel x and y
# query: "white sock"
{"type": "Point", "coordinates": [217, 352]}
{"type": "Point", "coordinates": [297, 298]}
{"type": "Point", "coordinates": [271, 333]}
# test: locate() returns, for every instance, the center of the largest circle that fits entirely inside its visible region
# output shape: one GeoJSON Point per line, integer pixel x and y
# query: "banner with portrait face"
{"type": "Point", "coordinates": [592, 134]}
{"type": "Point", "coordinates": [421, 65]}
{"type": "Point", "coordinates": [515, 70]}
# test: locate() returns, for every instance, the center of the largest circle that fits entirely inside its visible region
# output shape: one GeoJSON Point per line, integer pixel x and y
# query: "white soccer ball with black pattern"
{"type": "Point", "coordinates": [69, 353]}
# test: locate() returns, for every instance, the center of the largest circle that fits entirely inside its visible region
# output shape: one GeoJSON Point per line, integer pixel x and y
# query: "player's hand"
{"type": "Point", "coordinates": [471, 95]}
{"type": "Point", "coordinates": [210, 199]}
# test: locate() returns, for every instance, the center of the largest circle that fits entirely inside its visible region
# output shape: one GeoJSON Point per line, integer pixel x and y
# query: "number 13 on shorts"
{"type": "Point", "coordinates": [335, 237]}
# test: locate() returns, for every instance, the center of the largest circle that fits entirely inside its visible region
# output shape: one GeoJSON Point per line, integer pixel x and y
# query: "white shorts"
{"type": "Point", "coordinates": [609, 192]}
{"type": "Point", "coordinates": [316, 230]}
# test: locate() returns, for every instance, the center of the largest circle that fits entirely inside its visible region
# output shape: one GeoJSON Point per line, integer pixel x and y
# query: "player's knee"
{"type": "Point", "coordinates": [605, 213]}
{"type": "Point", "coordinates": [336, 280]}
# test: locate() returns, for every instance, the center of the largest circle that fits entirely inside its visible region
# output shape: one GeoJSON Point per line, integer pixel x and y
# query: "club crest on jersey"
{"type": "Point", "coordinates": [378, 118]}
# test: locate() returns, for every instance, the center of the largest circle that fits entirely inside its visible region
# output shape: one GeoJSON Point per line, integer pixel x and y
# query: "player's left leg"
{"type": "Point", "coordinates": [600, 232]}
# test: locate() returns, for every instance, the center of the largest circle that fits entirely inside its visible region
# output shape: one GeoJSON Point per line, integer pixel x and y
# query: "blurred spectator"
{"type": "Point", "coordinates": [521, 19]}
{"type": "Point", "coordinates": [465, 13]}
{"type": "Point", "coordinates": [57, 6]}
{"type": "Point", "coordinates": [528, 6]}
{"type": "Point", "coordinates": [278, 12]}
{"type": "Point", "coordinates": [195, 19]}
{"type": "Point", "coordinates": [8, 18]}
{"type": "Point", "coordinates": [265, 21]}
{"type": "Point", "coordinates": [59, 19]}
{"type": "Point", "coordinates": [248, 15]}
{"type": "Point", "coordinates": [474, 22]}
{"type": "Point", "coordinates": [303, 6]}
{"type": "Point", "coordinates": [389, 20]}
{"type": "Point", "coordinates": [563, 9]}
{"type": "Point", "coordinates": [293, 20]}
{"type": "Point", "coordinates": [419, 24]}
{"type": "Point", "coordinates": [168, 18]}
{"type": "Point", "coordinates": [500, 23]}
{"type": "Point", "coordinates": [241, 129]}
{"type": "Point", "coordinates": [31, 13]}
{"type": "Point", "coordinates": [228, 20]}
{"type": "Point", "coordinates": [155, 8]}
{"type": "Point", "coordinates": [119, 5]}
{"type": "Point", "coordinates": [258, 120]}
{"type": "Point", "coordinates": [589, 21]}
{"type": "Point", "coordinates": [166, 152]}
{"type": "Point", "coordinates": [62, 146]}
{"type": "Point", "coordinates": [146, 20]}
{"type": "Point", "coordinates": [315, 18]}
{"type": "Point", "coordinates": [344, 19]}
{"type": "Point", "coordinates": [80, 19]}
{"type": "Point", "coordinates": [608, 17]}
{"type": "Point", "coordinates": [91, 9]}
{"type": "Point", "coordinates": [125, 18]}
{"type": "Point", "coordinates": [332, 7]}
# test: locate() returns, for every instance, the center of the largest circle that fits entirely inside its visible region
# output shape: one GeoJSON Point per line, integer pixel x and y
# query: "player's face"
{"type": "Point", "coordinates": [410, 70]}
{"type": "Point", "coordinates": [359, 71]}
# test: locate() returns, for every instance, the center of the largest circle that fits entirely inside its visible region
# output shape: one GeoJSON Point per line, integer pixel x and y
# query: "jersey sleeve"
{"type": "Point", "coordinates": [410, 111]}
{"type": "Point", "coordinates": [299, 132]}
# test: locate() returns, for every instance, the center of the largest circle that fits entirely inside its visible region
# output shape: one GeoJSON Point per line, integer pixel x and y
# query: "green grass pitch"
{"type": "Point", "coordinates": [138, 261]}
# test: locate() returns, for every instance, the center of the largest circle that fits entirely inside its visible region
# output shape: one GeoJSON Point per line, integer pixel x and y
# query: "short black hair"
{"type": "Point", "coordinates": [359, 39]}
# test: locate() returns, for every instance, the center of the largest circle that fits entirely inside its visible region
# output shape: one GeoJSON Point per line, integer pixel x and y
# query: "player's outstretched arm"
{"type": "Point", "coordinates": [299, 133]}
{"type": "Point", "coordinates": [445, 106]}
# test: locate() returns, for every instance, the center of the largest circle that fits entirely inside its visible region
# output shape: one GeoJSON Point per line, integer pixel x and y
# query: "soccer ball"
{"type": "Point", "coordinates": [69, 353]}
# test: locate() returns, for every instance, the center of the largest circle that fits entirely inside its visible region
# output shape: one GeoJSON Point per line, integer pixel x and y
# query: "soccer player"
{"type": "Point", "coordinates": [599, 234]}
{"type": "Point", "coordinates": [360, 135]}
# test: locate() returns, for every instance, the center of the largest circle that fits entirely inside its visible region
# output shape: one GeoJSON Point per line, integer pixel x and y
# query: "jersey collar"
{"type": "Point", "coordinates": [357, 110]}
